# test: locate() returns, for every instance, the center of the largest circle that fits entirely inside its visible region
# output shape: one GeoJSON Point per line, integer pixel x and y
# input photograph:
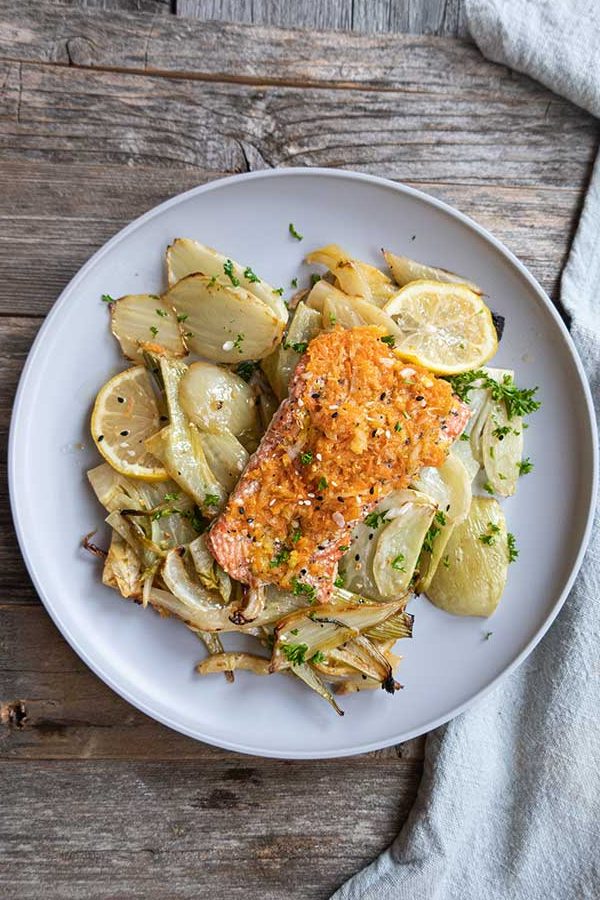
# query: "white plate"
{"type": "Point", "coordinates": [150, 661]}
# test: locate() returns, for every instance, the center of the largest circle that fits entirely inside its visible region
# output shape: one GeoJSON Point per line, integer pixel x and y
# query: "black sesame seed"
{"type": "Point", "coordinates": [382, 396]}
{"type": "Point", "coordinates": [303, 571]}
{"type": "Point", "coordinates": [164, 418]}
{"type": "Point", "coordinates": [371, 537]}
{"type": "Point", "coordinates": [121, 399]}
{"type": "Point", "coordinates": [241, 511]}
{"type": "Point", "coordinates": [340, 499]}
{"type": "Point", "coordinates": [374, 433]}
{"type": "Point", "coordinates": [420, 397]}
{"type": "Point", "coordinates": [123, 433]}
{"type": "Point", "coordinates": [316, 395]}
{"type": "Point", "coordinates": [100, 437]}
{"type": "Point", "coordinates": [250, 520]}
{"type": "Point", "coordinates": [334, 415]}
{"type": "Point", "coordinates": [357, 557]}
{"type": "Point", "coordinates": [371, 490]}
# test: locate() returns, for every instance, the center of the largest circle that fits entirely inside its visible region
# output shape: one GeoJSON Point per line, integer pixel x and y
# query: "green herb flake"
{"type": "Point", "coordinates": [296, 535]}
{"type": "Point", "coordinates": [488, 488]}
{"type": "Point", "coordinates": [300, 346]}
{"type": "Point", "coordinates": [489, 536]}
{"type": "Point", "coordinates": [397, 563]}
{"type": "Point", "coordinates": [153, 330]}
{"type": "Point", "coordinates": [211, 500]}
{"type": "Point", "coordinates": [318, 657]}
{"type": "Point", "coordinates": [339, 580]}
{"type": "Point", "coordinates": [517, 401]}
{"type": "Point", "coordinates": [162, 313]}
{"type": "Point", "coordinates": [237, 344]}
{"type": "Point", "coordinates": [247, 369]}
{"type": "Point", "coordinates": [446, 561]}
{"type": "Point", "coordinates": [306, 458]}
{"type": "Point", "coordinates": [397, 427]}
{"type": "Point", "coordinates": [251, 276]}
{"type": "Point", "coordinates": [278, 291]}
{"type": "Point", "coordinates": [106, 298]}
{"type": "Point", "coordinates": [501, 432]}
{"type": "Point", "coordinates": [464, 437]}
{"type": "Point", "coordinates": [295, 653]}
{"type": "Point", "coordinates": [487, 635]}
{"type": "Point", "coordinates": [294, 233]}
{"type": "Point", "coordinates": [294, 282]}
{"type": "Point", "coordinates": [512, 547]}
{"type": "Point", "coordinates": [228, 269]}
{"type": "Point", "coordinates": [295, 631]}
{"type": "Point", "coordinates": [182, 317]}
{"type": "Point", "coordinates": [322, 483]}
{"type": "Point", "coordinates": [332, 318]}
{"type": "Point", "coordinates": [300, 589]}
{"type": "Point", "coordinates": [282, 556]}
{"type": "Point", "coordinates": [173, 496]}
{"type": "Point", "coordinates": [314, 278]}
{"type": "Point", "coordinates": [213, 279]}
{"type": "Point", "coordinates": [388, 339]}
{"type": "Point", "coordinates": [375, 519]}
{"type": "Point", "coordinates": [525, 466]}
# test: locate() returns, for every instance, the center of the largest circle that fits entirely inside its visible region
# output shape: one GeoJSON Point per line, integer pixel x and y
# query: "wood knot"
{"type": "Point", "coordinates": [13, 714]}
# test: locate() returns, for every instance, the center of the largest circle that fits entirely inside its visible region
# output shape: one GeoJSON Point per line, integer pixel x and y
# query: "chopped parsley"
{"type": "Point", "coordinates": [173, 496]}
{"type": "Point", "coordinates": [397, 563]}
{"type": "Point", "coordinates": [247, 369]}
{"type": "Point", "coordinates": [153, 330]}
{"type": "Point", "coordinates": [294, 282]}
{"type": "Point", "coordinates": [332, 318]}
{"type": "Point", "coordinates": [317, 657]}
{"type": "Point", "coordinates": [296, 535]}
{"type": "Point", "coordinates": [211, 499]}
{"type": "Point", "coordinates": [432, 532]}
{"type": "Point", "coordinates": [464, 437]}
{"type": "Point", "coordinates": [251, 276]}
{"type": "Point", "coordinates": [339, 580]}
{"type": "Point", "coordinates": [488, 487]}
{"type": "Point", "coordinates": [388, 339]}
{"type": "Point", "coordinates": [294, 631]}
{"type": "Point", "coordinates": [314, 278]}
{"type": "Point", "coordinates": [375, 519]}
{"type": "Point", "coordinates": [295, 653]}
{"type": "Point", "coordinates": [195, 519]}
{"type": "Point", "coordinates": [446, 561]}
{"type": "Point", "coordinates": [106, 298]}
{"type": "Point", "coordinates": [298, 347]}
{"type": "Point", "coordinates": [282, 556]}
{"type": "Point", "coordinates": [161, 513]}
{"type": "Point", "coordinates": [512, 547]}
{"type": "Point", "coordinates": [525, 466]}
{"type": "Point", "coordinates": [162, 313]}
{"type": "Point", "coordinates": [487, 635]}
{"type": "Point", "coordinates": [517, 401]}
{"type": "Point", "coordinates": [237, 344]}
{"type": "Point", "coordinates": [299, 589]}
{"type": "Point", "coordinates": [489, 536]}
{"type": "Point", "coordinates": [501, 431]}
{"type": "Point", "coordinates": [228, 269]}
{"type": "Point", "coordinates": [294, 233]}
{"type": "Point", "coordinates": [213, 280]}
{"type": "Point", "coordinates": [182, 317]}
{"type": "Point", "coordinates": [397, 427]}
{"type": "Point", "coordinates": [278, 291]}
{"type": "Point", "coordinates": [306, 458]}
{"type": "Point", "coordinates": [322, 483]}
{"type": "Point", "coordinates": [343, 548]}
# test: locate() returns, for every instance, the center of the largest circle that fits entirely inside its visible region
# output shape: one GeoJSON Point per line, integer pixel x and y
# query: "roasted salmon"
{"type": "Point", "coordinates": [359, 422]}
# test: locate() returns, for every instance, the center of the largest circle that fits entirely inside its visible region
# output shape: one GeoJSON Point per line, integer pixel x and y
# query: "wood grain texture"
{"type": "Point", "coordinates": [300, 834]}
{"type": "Point", "coordinates": [440, 17]}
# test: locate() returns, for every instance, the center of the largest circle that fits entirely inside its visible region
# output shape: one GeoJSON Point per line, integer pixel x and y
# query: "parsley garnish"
{"type": "Point", "coordinates": [249, 275]}
{"type": "Point", "coordinates": [278, 291]}
{"type": "Point", "coordinates": [446, 561]}
{"type": "Point", "coordinates": [296, 535]}
{"type": "Point", "coordinates": [247, 369]}
{"type": "Point", "coordinates": [512, 547]}
{"type": "Point", "coordinates": [294, 282]}
{"type": "Point", "coordinates": [306, 458]}
{"type": "Point", "coordinates": [488, 487]}
{"type": "Point", "coordinates": [162, 313]}
{"type": "Point", "coordinates": [501, 431]}
{"type": "Point", "coordinates": [282, 556]}
{"type": "Point", "coordinates": [294, 631]}
{"type": "Point", "coordinates": [173, 496]}
{"type": "Point", "coordinates": [182, 317]}
{"type": "Point", "coordinates": [518, 401]}
{"type": "Point", "coordinates": [213, 279]}
{"type": "Point", "coordinates": [295, 653]}
{"type": "Point", "coordinates": [332, 318]}
{"type": "Point", "coordinates": [322, 483]}
{"type": "Point", "coordinates": [343, 548]}
{"type": "Point", "coordinates": [487, 635]}
{"type": "Point", "coordinates": [161, 513]}
{"type": "Point", "coordinates": [237, 344]}
{"type": "Point", "coordinates": [300, 346]}
{"type": "Point", "coordinates": [299, 588]}
{"type": "Point", "coordinates": [195, 518]}
{"type": "Point", "coordinates": [106, 298]}
{"type": "Point", "coordinates": [397, 563]}
{"type": "Point", "coordinates": [317, 657]}
{"type": "Point", "coordinates": [153, 330]}
{"type": "Point", "coordinates": [228, 269]}
{"type": "Point", "coordinates": [525, 466]}
{"type": "Point", "coordinates": [464, 437]}
{"type": "Point", "coordinates": [314, 278]}
{"type": "Point", "coordinates": [397, 427]}
{"type": "Point", "coordinates": [339, 581]}
{"type": "Point", "coordinates": [375, 519]}
{"type": "Point", "coordinates": [489, 537]}
{"type": "Point", "coordinates": [433, 531]}
{"type": "Point", "coordinates": [211, 499]}
{"type": "Point", "coordinates": [388, 339]}
{"type": "Point", "coordinates": [294, 233]}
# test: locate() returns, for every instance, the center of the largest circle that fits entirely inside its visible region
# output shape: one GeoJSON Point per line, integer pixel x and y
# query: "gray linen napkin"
{"type": "Point", "coordinates": [509, 805]}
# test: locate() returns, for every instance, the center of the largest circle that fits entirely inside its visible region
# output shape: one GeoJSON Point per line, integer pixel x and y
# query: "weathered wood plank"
{"type": "Point", "coordinates": [52, 223]}
{"type": "Point", "coordinates": [332, 14]}
{"type": "Point", "coordinates": [67, 115]}
{"type": "Point", "coordinates": [96, 830]}
{"type": "Point", "coordinates": [416, 64]}
{"type": "Point", "coordinates": [53, 707]}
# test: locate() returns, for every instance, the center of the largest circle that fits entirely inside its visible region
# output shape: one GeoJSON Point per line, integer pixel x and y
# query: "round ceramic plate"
{"type": "Point", "coordinates": [150, 661]}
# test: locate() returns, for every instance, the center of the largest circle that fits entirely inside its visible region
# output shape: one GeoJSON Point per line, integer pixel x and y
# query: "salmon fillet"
{"type": "Point", "coordinates": [359, 422]}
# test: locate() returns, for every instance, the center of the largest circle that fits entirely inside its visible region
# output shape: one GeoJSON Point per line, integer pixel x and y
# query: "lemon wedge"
{"type": "Point", "coordinates": [124, 416]}
{"type": "Point", "coordinates": [446, 328]}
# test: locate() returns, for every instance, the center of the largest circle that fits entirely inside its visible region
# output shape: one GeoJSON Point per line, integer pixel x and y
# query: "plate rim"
{"type": "Point", "coordinates": [17, 418]}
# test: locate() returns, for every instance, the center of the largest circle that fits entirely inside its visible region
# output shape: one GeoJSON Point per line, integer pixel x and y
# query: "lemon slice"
{"type": "Point", "coordinates": [446, 327]}
{"type": "Point", "coordinates": [125, 415]}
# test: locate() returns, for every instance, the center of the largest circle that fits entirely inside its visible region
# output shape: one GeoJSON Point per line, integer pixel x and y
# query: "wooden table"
{"type": "Point", "coordinates": [107, 108]}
